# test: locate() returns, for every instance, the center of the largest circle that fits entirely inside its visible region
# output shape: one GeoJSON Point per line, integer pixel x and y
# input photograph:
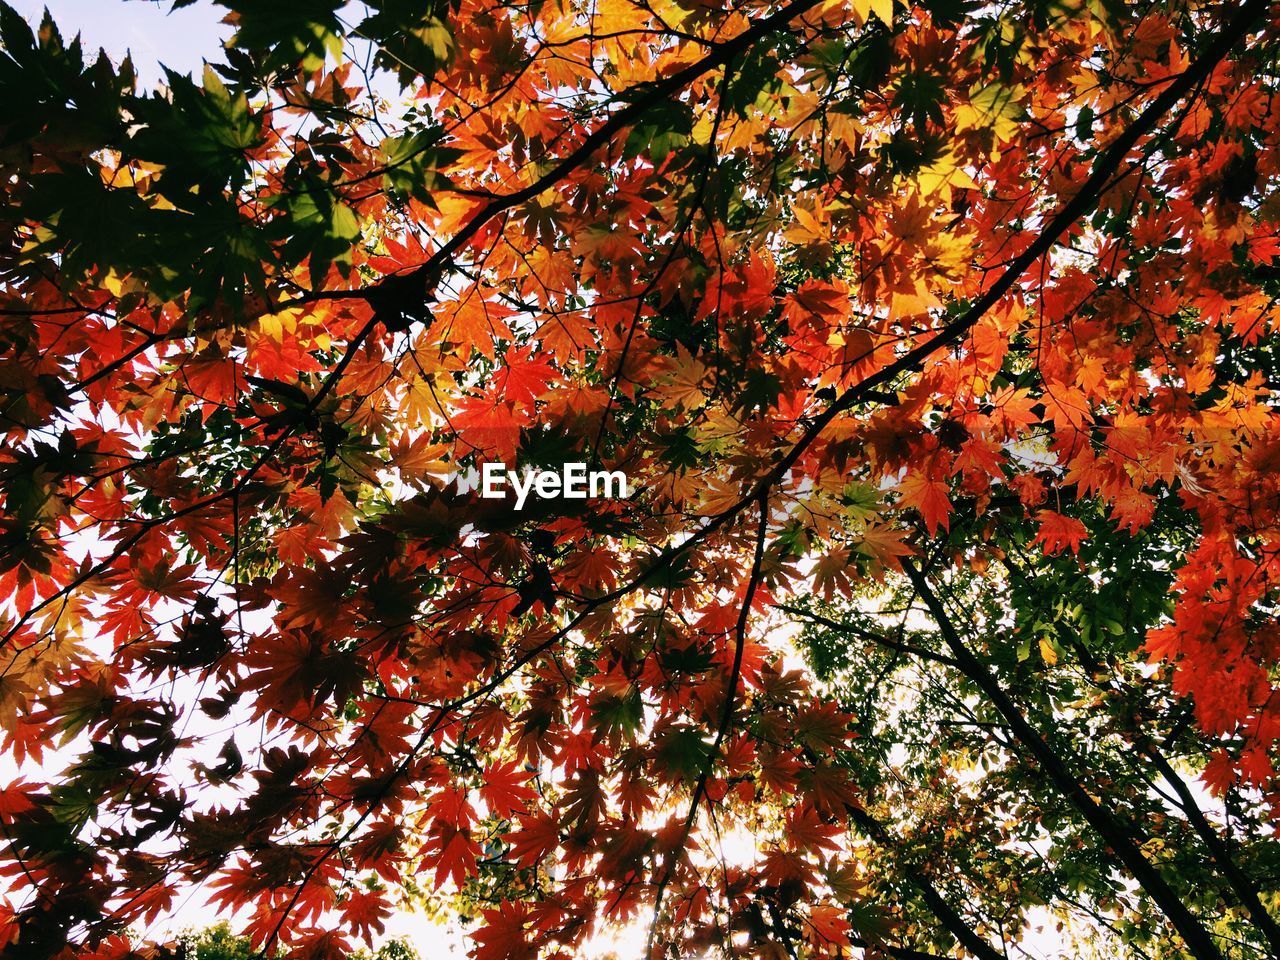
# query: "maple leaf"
{"type": "Point", "coordinates": [993, 107]}
{"type": "Point", "coordinates": [930, 496]}
{"type": "Point", "coordinates": [882, 9]}
{"type": "Point", "coordinates": [831, 573]}
{"type": "Point", "coordinates": [535, 838]}
{"type": "Point", "coordinates": [883, 545]}
{"type": "Point", "coordinates": [316, 944]}
{"type": "Point", "coordinates": [775, 263]}
{"type": "Point", "coordinates": [829, 926]}
{"type": "Point", "coordinates": [472, 322]}
{"type": "Point", "coordinates": [503, 789]}
{"type": "Point", "coordinates": [808, 831]}
{"type": "Point", "coordinates": [366, 911]}
{"type": "Point", "coordinates": [451, 851]}
{"type": "Point", "coordinates": [503, 933]}
{"type": "Point", "coordinates": [524, 378]}
{"type": "Point", "coordinates": [1058, 532]}
{"type": "Point", "coordinates": [488, 427]}
{"type": "Point", "coordinates": [16, 798]}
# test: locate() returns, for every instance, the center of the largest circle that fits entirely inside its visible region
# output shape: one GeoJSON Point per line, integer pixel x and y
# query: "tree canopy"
{"type": "Point", "coordinates": [937, 342]}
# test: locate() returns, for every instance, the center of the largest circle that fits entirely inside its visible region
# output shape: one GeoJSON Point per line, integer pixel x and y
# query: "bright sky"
{"type": "Point", "coordinates": [180, 40]}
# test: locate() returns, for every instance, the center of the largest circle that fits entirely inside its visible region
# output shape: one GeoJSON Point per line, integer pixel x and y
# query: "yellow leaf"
{"type": "Point", "coordinates": [882, 9]}
{"type": "Point", "coordinates": [113, 283]}
{"type": "Point", "coordinates": [422, 399]}
{"type": "Point", "coordinates": [275, 325]}
{"type": "Point", "coordinates": [1047, 652]}
{"type": "Point", "coordinates": [994, 107]}
{"type": "Point", "coordinates": [808, 229]}
{"type": "Point", "coordinates": [943, 174]}
{"type": "Point", "coordinates": [117, 176]}
{"type": "Point", "coordinates": [682, 386]}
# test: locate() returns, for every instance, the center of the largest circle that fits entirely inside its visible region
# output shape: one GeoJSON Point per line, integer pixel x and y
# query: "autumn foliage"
{"type": "Point", "coordinates": [938, 343]}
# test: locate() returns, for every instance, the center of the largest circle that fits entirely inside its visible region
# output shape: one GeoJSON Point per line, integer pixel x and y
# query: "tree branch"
{"type": "Point", "coordinates": [869, 635]}
{"type": "Point", "coordinates": [1199, 942]}
{"type": "Point", "coordinates": [955, 924]}
{"type": "Point", "coordinates": [1249, 14]}
{"type": "Point", "coordinates": [398, 300]}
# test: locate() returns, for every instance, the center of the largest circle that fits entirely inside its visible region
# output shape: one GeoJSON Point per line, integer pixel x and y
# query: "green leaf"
{"type": "Point", "coordinates": [290, 33]}
{"type": "Point", "coordinates": [412, 37]}
{"type": "Point", "coordinates": [50, 96]}
{"type": "Point", "coordinates": [319, 225]}
{"type": "Point", "coordinates": [681, 750]}
{"type": "Point", "coordinates": [665, 127]}
{"type": "Point", "coordinates": [680, 448]}
{"type": "Point", "coordinates": [413, 162]}
{"type": "Point", "coordinates": [758, 73]}
{"type": "Point", "coordinates": [613, 716]}
{"type": "Point", "coordinates": [200, 135]}
{"type": "Point", "coordinates": [1084, 124]}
